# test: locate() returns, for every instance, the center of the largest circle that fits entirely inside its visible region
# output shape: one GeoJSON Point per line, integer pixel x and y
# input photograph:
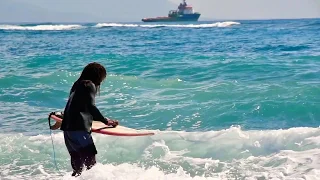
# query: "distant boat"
{"type": "Point", "coordinates": [184, 13]}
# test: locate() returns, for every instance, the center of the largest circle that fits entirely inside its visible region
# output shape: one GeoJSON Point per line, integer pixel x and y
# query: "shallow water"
{"type": "Point", "coordinates": [228, 100]}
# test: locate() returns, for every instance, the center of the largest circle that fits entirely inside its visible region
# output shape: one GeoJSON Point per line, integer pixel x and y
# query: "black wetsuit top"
{"type": "Point", "coordinates": [80, 110]}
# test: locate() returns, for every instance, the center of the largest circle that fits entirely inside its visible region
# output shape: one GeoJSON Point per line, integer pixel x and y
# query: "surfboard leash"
{"type": "Point", "coordinates": [53, 149]}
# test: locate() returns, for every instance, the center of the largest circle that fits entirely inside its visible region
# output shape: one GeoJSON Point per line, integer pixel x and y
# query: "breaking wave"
{"type": "Point", "coordinates": [41, 27]}
{"type": "Point", "coordinates": [217, 24]}
{"type": "Point", "coordinates": [61, 27]}
{"type": "Point", "coordinates": [226, 154]}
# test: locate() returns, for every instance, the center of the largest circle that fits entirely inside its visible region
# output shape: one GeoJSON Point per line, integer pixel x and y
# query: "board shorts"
{"type": "Point", "coordinates": [79, 142]}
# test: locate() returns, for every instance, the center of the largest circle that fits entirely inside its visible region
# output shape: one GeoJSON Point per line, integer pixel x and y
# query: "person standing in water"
{"type": "Point", "coordinates": [78, 115]}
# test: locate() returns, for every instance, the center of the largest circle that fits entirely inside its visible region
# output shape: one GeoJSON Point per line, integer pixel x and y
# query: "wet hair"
{"type": "Point", "coordinates": [94, 72]}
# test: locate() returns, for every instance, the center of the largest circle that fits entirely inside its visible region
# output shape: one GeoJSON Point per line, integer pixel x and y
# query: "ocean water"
{"type": "Point", "coordinates": [227, 100]}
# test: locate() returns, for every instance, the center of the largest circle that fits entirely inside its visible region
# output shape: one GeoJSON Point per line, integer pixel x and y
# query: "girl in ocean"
{"type": "Point", "coordinates": [79, 113]}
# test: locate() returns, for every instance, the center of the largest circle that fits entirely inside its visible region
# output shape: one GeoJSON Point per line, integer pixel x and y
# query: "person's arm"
{"type": "Point", "coordinates": [97, 116]}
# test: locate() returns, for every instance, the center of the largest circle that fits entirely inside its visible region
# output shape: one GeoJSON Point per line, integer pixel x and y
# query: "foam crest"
{"type": "Point", "coordinates": [128, 171]}
{"type": "Point", "coordinates": [224, 154]}
{"type": "Point", "coordinates": [41, 27]}
{"type": "Point", "coordinates": [217, 24]}
{"type": "Point", "coordinates": [115, 25]}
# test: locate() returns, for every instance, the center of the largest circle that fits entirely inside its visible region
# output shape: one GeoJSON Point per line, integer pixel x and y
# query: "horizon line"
{"type": "Point", "coordinates": [205, 20]}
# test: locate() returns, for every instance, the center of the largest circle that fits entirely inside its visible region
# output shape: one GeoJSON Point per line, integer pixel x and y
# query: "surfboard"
{"type": "Point", "coordinates": [101, 128]}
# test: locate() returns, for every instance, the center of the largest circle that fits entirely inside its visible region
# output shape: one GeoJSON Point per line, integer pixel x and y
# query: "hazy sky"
{"type": "Point", "coordinates": [256, 9]}
{"type": "Point", "coordinates": [125, 10]}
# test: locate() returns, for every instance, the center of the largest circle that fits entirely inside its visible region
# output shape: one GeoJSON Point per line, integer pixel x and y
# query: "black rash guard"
{"type": "Point", "coordinates": [80, 110]}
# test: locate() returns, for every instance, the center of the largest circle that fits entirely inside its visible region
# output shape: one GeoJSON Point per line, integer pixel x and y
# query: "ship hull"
{"type": "Point", "coordinates": [189, 17]}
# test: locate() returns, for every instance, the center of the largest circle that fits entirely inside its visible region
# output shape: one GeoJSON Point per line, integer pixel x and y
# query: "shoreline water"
{"type": "Point", "coordinates": [230, 100]}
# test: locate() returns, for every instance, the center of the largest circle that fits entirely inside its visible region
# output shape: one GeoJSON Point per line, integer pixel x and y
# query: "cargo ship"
{"type": "Point", "coordinates": [183, 13]}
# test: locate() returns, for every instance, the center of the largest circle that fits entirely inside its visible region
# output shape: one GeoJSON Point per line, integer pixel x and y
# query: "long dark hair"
{"type": "Point", "coordinates": [94, 72]}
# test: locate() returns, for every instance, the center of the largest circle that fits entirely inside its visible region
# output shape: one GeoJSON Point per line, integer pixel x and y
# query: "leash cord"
{"type": "Point", "coordinates": [53, 149]}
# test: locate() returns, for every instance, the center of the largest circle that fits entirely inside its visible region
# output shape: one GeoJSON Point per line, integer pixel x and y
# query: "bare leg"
{"type": "Point", "coordinates": [76, 163]}
{"type": "Point", "coordinates": [90, 161]}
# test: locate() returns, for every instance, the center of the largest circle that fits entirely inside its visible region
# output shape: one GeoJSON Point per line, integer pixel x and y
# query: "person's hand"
{"type": "Point", "coordinates": [113, 123]}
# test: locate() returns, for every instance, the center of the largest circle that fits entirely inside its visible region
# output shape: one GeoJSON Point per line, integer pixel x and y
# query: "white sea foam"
{"type": "Point", "coordinates": [61, 27]}
{"type": "Point", "coordinates": [226, 154]}
{"type": "Point", "coordinates": [41, 27]}
{"type": "Point", "coordinates": [217, 24]}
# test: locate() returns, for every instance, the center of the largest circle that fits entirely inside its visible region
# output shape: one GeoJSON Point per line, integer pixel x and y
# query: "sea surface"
{"type": "Point", "coordinates": [226, 99]}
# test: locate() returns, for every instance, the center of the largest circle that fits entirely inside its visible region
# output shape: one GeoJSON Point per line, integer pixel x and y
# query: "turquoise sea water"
{"type": "Point", "coordinates": [228, 100]}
